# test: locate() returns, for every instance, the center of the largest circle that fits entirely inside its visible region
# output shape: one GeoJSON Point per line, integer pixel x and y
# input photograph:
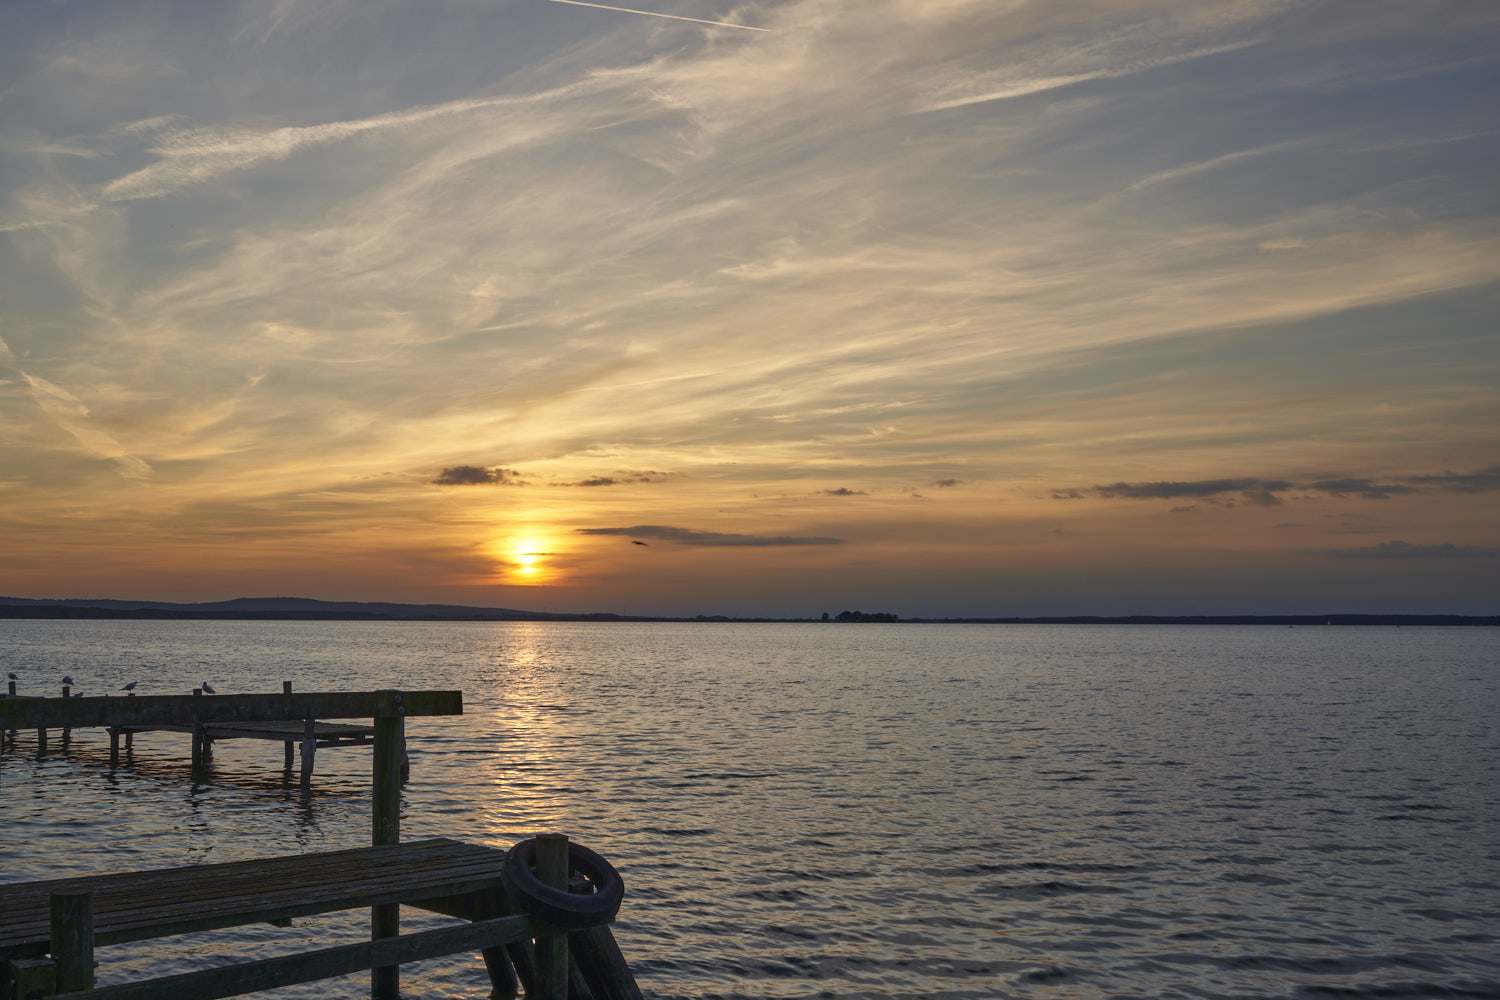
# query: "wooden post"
{"type": "Point", "coordinates": [309, 747]}
{"type": "Point", "coordinates": [200, 748]}
{"type": "Point", "coordinates": [598, 956]}
{"type": "Point", "coordinates": [31, 978]}
{"type": "Point", "coordinates": [286, 688]}
{"type": "Point", "coordinates": [385, 802]}
{"type": "Point", "coordinates": [518, 955]}
{"type": "Point", "coordinates": [72, 933]}
{"type": "Point", "coordinates": [12, 687]}
{"type": "Point", "coordinates": [552, 949]}
{"type": "Point", "coordinates": [503, 985]}
{"type": "Point", "coordinates": [386, 794]}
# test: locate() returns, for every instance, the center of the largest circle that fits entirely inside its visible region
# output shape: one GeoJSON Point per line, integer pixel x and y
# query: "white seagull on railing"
{"type": "Point", "coordinates": [130, 686]}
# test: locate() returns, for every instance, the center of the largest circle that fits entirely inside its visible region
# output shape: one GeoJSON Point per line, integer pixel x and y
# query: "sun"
{"type": "Point", "coordinates": [526, 558]}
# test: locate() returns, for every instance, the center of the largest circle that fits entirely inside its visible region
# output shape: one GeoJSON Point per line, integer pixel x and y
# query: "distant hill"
{"type": "Point", "coordinates": [305, 608]}
{"type": "Point", "coordinates": [276, 608]}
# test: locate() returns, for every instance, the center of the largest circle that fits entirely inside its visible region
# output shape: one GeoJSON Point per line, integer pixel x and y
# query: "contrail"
{"type": "Point", "coordinates": [652, 13]}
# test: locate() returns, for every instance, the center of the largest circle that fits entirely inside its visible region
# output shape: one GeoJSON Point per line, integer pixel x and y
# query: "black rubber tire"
{"type": "Point", "coordinates": [558, 906]}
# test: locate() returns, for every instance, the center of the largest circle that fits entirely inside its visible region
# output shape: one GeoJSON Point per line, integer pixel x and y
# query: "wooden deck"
{"type": "Point", "coordinates": [135, 906]}
{"type": "Point", "coordinates": [66, 919]}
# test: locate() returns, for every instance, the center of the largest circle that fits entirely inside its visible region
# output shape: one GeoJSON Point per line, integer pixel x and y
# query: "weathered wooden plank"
{"type": "Point", "coordinates": [186, 710]}
{"type": "Point", "coordinates": [129, 901]}
{"type": "Point", "coordinates": [285, 730]}
{"type": "Point", "coordinates": [134, 906]}
{"type": "Point", "coordinates": [160, 921]}
{"type": "Point", "coordinates": [289, 970]}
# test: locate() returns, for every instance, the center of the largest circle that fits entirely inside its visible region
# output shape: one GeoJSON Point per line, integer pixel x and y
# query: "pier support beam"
{"type": "Point", "coordinates": [72, 935]}
{"type": "Point", "coordinates": [552, 949]}
{"type": "Point", "coordinates": [385, 920]}
{"type": "Point", "coordinates": [286, 688]}
{"type": "Point", "coordinates": [309, 747]}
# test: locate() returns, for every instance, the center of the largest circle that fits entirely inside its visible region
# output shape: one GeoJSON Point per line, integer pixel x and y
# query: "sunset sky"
{"type": "Point", "coordinates": [935, 307]}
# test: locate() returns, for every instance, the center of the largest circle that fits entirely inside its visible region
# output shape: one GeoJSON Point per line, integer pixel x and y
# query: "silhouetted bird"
{"type": "Point", "coordinates": [130, 686]}
{"type": "Point", "coordinates": [68, 681]}
{"type": "Point", "coordinates": [13, 676]}
{"type": "Point", "coordinates": [207, 689]}
{"type": "Point", "coordinates": [635, 542]}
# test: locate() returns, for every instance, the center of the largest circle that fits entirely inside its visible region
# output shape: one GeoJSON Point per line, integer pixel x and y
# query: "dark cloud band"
{"type": "Point", "coordinates": [475, 475]}
{"type": "Point", "coordinates": [687, 536]}
{"type": "Point", "coordinates": [1406, 550]}
{"type": "Point", "coordinates": [1263, 492]}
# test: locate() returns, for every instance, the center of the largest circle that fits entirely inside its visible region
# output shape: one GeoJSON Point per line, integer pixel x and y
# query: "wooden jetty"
{"type": "Point", "coordinates": [309, 734]}
{"type": "Point", "coordinates": [49, 929]}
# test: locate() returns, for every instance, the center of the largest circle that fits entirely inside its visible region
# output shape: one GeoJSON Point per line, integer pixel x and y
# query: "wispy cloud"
{"type": "Point", "coordinates": [70, 413]}
{"type": "Point", "coordinates": [1006, 84]}
{"type": "Point", "coordinates": [191, 156]}
{"type": "Point", "coordinates": [652, 13]}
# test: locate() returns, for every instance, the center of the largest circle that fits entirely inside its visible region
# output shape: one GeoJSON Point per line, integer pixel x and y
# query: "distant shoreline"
{"type": "Point", "coordinates": [305, 609]}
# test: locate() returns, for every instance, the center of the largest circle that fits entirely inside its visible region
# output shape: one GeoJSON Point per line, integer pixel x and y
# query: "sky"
{"type": "Point", "coordinates": [929, 307]}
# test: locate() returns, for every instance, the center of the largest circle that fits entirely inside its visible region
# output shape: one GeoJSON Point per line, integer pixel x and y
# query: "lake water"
{"type": "Point", "coordinates": [849, 811]}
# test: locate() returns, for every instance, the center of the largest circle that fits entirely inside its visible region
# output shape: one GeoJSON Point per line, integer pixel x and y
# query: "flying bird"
{"type": "Point", "coordinates": [207, 689]}
{"type": "Point", "coordinates": [634, 541]}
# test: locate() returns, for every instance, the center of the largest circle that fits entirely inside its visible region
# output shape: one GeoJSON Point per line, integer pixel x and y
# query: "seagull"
{"type": "Point", "coordinates": [130, 686]}
{"type": "Point", "coordinates": [68, 681]}
{"type": "Point", "coordinates": [12, 676]}
{"type": "Point", "coordinates": [207, 689]}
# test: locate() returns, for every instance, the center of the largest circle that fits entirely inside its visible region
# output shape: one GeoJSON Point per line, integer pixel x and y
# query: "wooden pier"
{"type": "Point", "coordinates": [308, 734]}
{"type": "Point", "coordinates": [49, 929]}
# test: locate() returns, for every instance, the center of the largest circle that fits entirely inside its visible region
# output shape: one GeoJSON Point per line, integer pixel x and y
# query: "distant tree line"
{"type": "Point", "coordinates": [863, 616]}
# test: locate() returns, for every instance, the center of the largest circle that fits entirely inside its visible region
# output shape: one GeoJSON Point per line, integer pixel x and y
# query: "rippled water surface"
{"type": "Point", "coordinates": [851, 810]}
